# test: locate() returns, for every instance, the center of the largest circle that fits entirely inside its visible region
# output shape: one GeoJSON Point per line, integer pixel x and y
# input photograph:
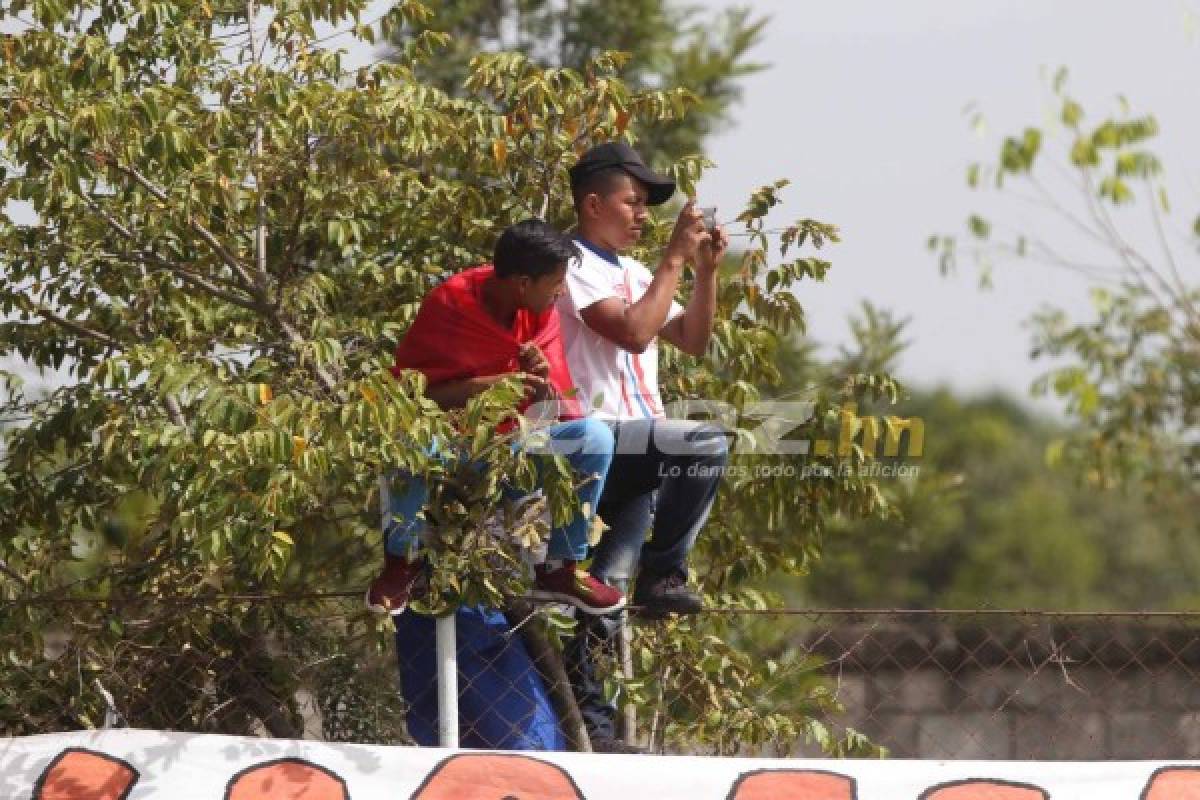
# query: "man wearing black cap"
{"type": "Point", "coordinates": [612, 314]}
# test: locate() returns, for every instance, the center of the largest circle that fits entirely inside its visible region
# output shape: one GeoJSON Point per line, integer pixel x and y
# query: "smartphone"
{"type": "Point", "coordinates": [709, 213]}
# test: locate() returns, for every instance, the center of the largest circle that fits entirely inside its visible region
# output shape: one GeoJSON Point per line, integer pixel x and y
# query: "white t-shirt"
{"type": "Point", "coordinates": [612, 382]}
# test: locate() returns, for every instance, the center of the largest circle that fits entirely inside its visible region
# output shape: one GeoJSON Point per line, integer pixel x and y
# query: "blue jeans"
{"type": "Point", "coordinates": [664, 479]}
{"type": "Point", "coordinates": [587, 445]}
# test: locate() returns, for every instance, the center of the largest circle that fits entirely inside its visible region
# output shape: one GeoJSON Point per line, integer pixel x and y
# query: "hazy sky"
{"type": "Point", "coordinates": [862, 109]}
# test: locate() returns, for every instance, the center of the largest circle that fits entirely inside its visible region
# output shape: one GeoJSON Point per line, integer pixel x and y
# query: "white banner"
{"type": "Point", "coordinates": [133, 764]}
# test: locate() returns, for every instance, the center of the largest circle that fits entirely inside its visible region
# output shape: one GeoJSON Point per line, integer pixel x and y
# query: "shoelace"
{"type": "Point", "coordinates": [674, 581]}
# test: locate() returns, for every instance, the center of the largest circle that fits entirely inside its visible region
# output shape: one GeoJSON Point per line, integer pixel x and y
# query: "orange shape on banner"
{"type": "Point", "coordinates": [793, 784]}
{"type": "Point", "coordinates": [286, 779]}
{"type": "Point", "coordinates": [1173, 783]}
{"type": "Point", "coordinates": [79, 774]}
{"type": "Point", "coordinates": [984, 790]}
{"type": "Point", "coordinates": [497, 777]}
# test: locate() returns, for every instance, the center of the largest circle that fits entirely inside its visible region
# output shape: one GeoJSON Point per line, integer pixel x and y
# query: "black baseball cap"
{"type": "Point", "coordinates": [659, 188]}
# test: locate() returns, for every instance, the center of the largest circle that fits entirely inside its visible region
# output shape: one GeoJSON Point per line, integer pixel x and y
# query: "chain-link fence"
{"type": "Point", "coordinates": [937, 684]}
{"type": "Point", "coordinates": [1015, 685]}
{"type": "Point", "coordinates": [296, 667]}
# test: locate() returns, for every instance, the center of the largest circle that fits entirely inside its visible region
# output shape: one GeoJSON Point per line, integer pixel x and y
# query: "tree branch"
{"type": "Point", "coordinates": [175, 412]}
{"type": "Point", "coordinates": [1066, 213]}
{"type": "Point", "coordinates": [148, 257]}
{"type": "Point", "coordinates": [1183, 300]}
{"type": "Point", "coordinates": [12, 574]}
{"type": "Point", "coordinates": [260, 228]}
{"type": "Point", "coordinates": [301, 210]}
{"type": "Point", "coordinates": [1113, 238]}
{"type": "Point", "coordinates": [209, 238]}
{"type": "Point", "coordinates": [191, 278]}
{"type": "Point", "coordinates": [327, 382]}
{"type": "Point", "coordinates": [75, 327]}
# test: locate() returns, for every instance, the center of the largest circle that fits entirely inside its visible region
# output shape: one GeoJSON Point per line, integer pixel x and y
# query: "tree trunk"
{"type": "Point", "coordinates": [549, 663]}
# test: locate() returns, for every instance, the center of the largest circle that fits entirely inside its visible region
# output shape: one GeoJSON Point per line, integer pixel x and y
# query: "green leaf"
{"type": "Point", "coordinates": [973, 175]}
{"type": "Point", "coordinates": [978, 226]}
{"type": "Point", "coordinates": [1072, 113]}
{"type": "Point", "coordinates": [1084, 153]}
{"type": "Point", "coordinates": [1115, 190]}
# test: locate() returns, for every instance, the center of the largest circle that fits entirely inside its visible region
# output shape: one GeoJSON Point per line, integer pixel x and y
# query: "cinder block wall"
{"type": "Point", "coordinates": [1019, 688]}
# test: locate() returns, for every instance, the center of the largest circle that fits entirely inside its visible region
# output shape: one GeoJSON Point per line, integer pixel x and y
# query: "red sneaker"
{"type": "Point", "coordinates": [389, 593]}
{"type": "Point", "coordinates": [570, 584]}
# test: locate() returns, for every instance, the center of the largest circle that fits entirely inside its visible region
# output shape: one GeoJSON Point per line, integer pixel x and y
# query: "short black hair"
{"type": "Point", "coordinates": [533, 248]}
{"type": "Point", "coordinates": [600, 181]}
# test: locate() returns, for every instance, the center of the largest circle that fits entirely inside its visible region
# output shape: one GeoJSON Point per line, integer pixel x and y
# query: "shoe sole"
{"type": "Point", "coordinates": [570, 599]}
{"type": "Point", "coordinates": [375, 608]}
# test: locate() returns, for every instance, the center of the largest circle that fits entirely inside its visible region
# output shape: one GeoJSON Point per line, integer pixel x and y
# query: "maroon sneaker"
{"type": "Point", "coordinates": [389, 592]}
{"type": "Point", "coordinates": [570, 584]}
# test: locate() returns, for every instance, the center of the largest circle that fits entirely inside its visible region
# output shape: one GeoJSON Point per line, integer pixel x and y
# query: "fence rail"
{"type": "Point", "coordinates": [929, 684]}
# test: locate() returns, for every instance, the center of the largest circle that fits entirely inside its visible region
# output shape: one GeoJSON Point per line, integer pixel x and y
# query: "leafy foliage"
{"type": "Point", "coordinates": [1129, 375]}
{"type": "Point", "coordinates": [984, 516]}
{"type": "Point", "coordinates": [231, 234]}
{"type": "Point", "coordinates": [989, 523]}
{"type": "Point", "coordinates": [669, 46]}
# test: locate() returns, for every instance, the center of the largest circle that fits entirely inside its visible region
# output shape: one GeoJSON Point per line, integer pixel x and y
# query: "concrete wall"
{"type": "Point", "coordinates": [1098, 689]}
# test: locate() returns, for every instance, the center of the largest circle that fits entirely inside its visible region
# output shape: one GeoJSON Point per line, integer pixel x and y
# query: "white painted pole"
{"type": "Point", "coordinates": [625, 650]}
{"type": "Point", "coordinates": [385, 506]}
{"type": "Point", "coordinates": [447, 678]}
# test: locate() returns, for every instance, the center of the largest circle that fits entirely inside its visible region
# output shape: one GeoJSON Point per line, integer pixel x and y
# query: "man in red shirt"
{"type": "Point", "coordinates": [472, 331]}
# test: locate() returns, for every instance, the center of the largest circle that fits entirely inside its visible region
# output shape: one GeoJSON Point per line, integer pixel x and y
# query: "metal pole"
{"type": "Point", "coordinates": [625, 650]}
{"type": "Point", "coordinates": [447, 681]}
{"type": "Point", "coordinates": [385, 506]}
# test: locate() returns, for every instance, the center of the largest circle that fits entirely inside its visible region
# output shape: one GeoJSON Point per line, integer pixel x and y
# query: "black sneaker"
{"type": "Point", "coordinates": [659, 595]}
{"type": "Point", "coordinates": [607, 744]}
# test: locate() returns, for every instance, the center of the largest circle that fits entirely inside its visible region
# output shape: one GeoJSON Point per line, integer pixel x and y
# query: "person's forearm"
{"type": "Point", "coordinates": [696, 325]}
{"type": "Point", "coordinates": [646, 317]}
{"type": "Point", "coordinates": [455, 394]}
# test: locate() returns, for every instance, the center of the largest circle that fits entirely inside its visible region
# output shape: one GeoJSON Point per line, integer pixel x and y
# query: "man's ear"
{"type": "Point", "coordinates": [590, 207]}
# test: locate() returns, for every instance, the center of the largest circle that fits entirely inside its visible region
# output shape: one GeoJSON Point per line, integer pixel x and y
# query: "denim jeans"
{"type": "Point", "coordinates": [587, 445]}
{"type": "Point", "coordinates": [664, 478]}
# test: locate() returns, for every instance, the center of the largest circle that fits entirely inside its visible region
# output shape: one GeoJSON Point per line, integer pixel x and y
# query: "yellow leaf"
{"type": "Point", "coordinates": [571, 126]}
{"type": "Point", "coordinates": [299, 445]}
{"type": "Point", "coordinates": [264, 393]}
{"type": "Point", "coordinates": [368, 394]}
{"type": "Point", "coordinates": [283, 536]}
{"type": "Point", "coordinates": [596, 530]}
{"type": "Point", "coordinates": [500, 151]}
